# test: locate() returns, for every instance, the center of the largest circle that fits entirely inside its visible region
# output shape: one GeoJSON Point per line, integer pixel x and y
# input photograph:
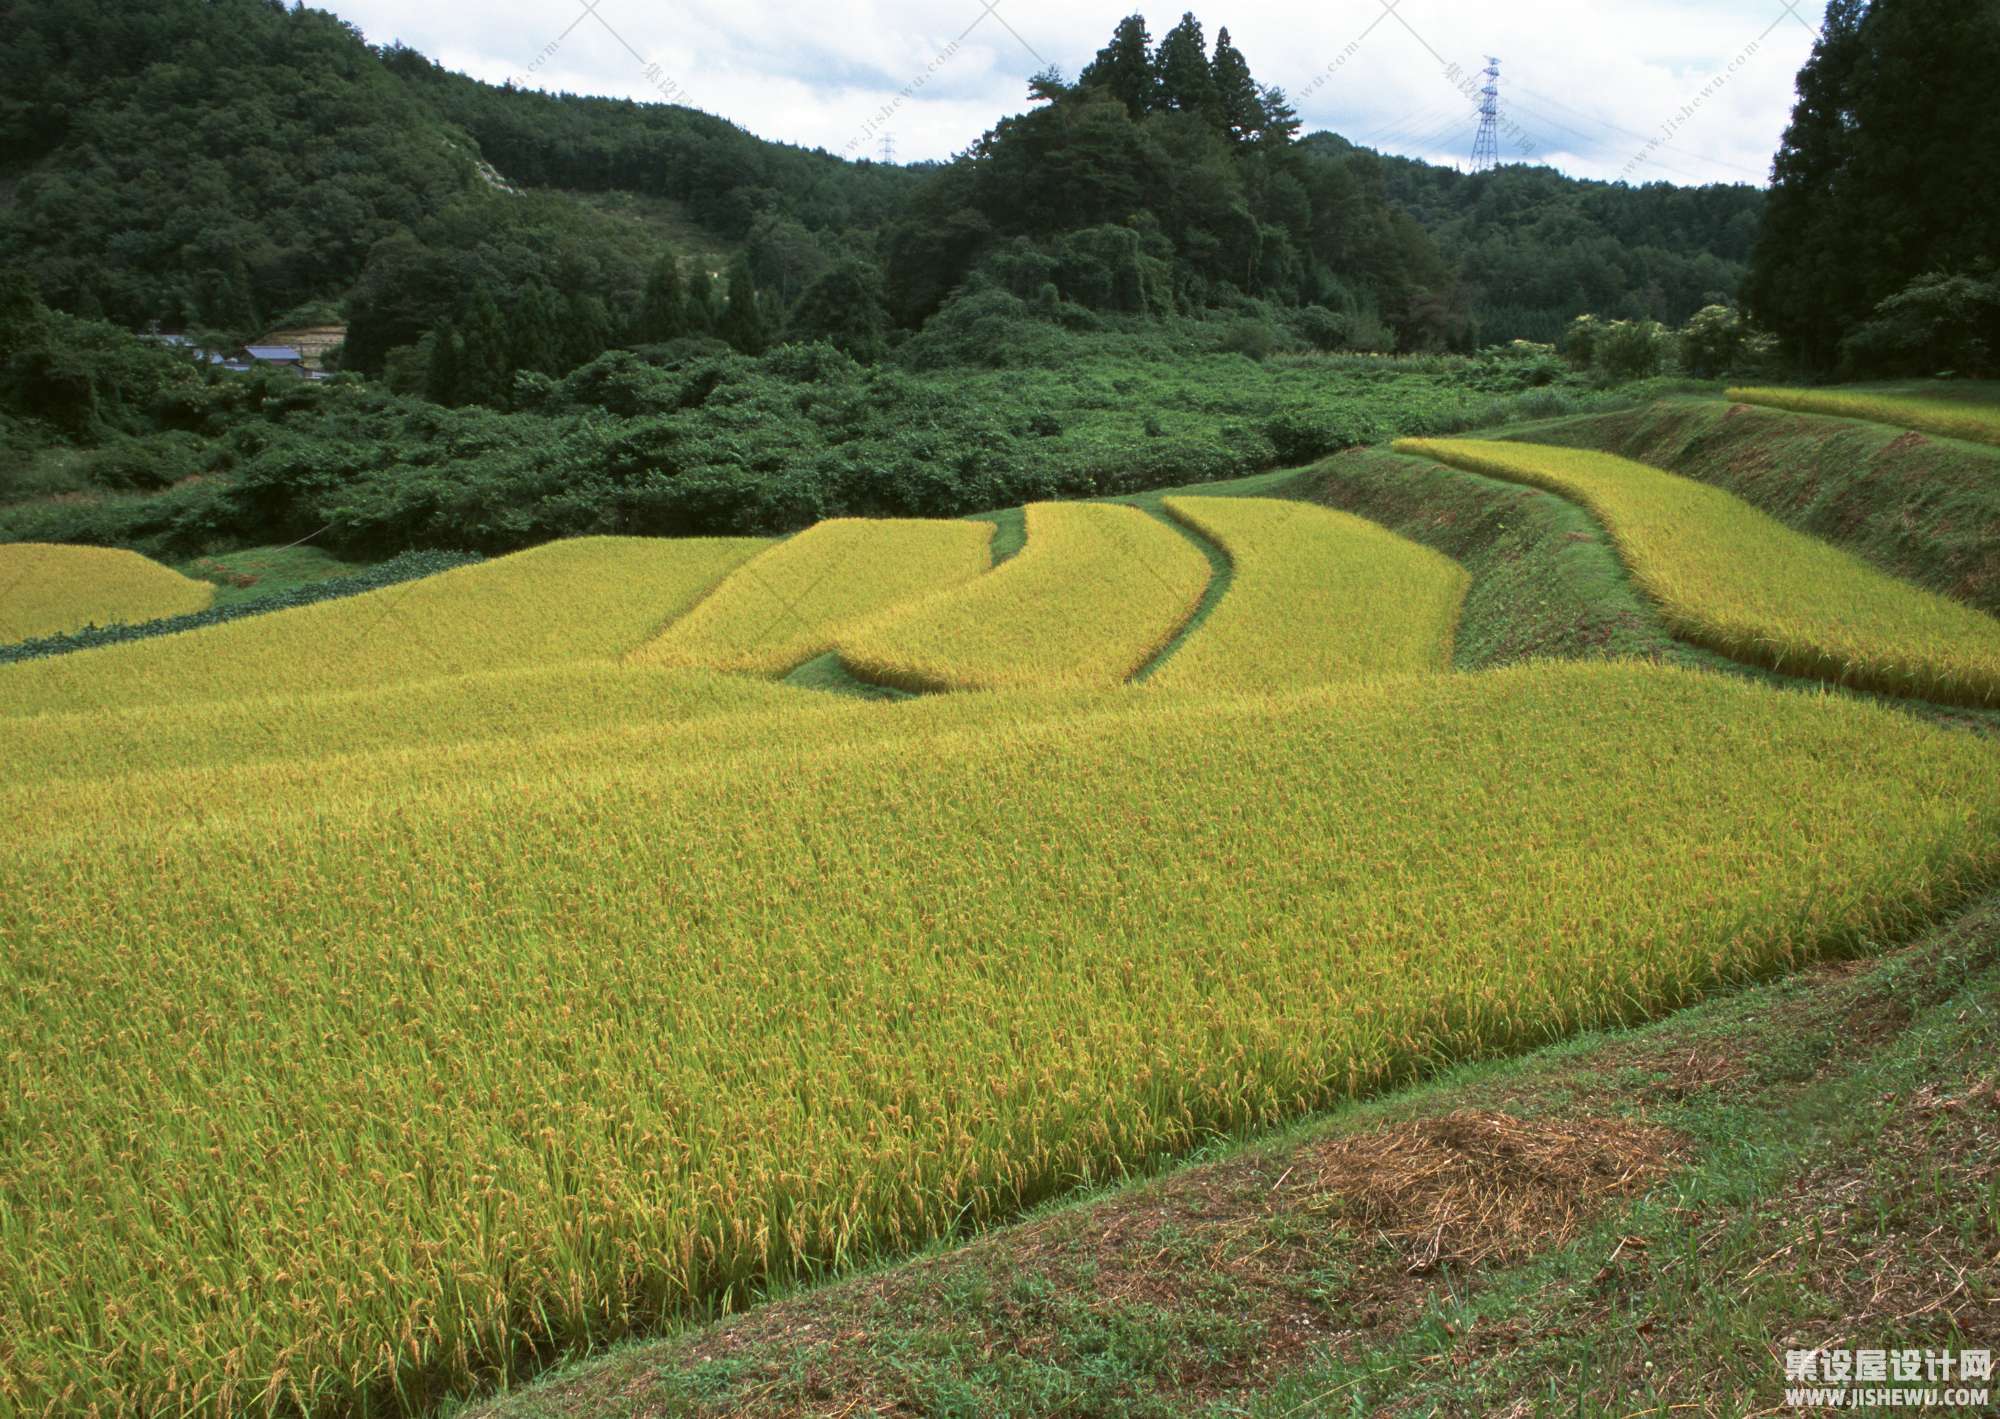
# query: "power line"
{"type": "Point", "coordinates": [1416, 120]}
{"type": "Point", "coordinates": [1645, 157]}
{"type": "Point", "coordinates": [1629, 133]}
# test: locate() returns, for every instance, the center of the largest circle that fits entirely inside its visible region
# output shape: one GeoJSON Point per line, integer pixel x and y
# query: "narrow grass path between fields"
{"type": "Point", "coordinates": [1222, 570]}
{"type": "Point", "coordinates": [1631, 1222]}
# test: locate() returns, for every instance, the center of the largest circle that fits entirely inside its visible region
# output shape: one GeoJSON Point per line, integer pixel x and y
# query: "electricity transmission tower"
{"type": "Point", "coordinates": [888, 147]}
{"type": "Point", "coordinates": [1486, 145]}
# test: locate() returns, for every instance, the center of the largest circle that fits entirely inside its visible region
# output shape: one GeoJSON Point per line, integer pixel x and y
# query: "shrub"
{"type": "Point", "coordinates": [1630, 349]}
{"type": "Point", "coordinates": [1305, 432]}
{"type": "Point", "coordinates": [1250, 337]}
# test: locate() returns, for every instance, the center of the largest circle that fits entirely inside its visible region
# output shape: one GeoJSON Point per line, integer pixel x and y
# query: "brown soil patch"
{"type": "Point", "coordinates": [1477, 1186]}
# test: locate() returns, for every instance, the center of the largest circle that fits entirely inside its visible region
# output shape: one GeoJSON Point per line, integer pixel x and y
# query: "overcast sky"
{"type": "Point", "coordinates": [1588, 86]}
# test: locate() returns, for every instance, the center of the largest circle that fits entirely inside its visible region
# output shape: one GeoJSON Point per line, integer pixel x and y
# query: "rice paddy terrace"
{"type": "Point", "coordinates": [408, 990]}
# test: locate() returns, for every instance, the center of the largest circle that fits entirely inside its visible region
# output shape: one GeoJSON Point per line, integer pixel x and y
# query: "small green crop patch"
{"type": "Point", "coordinates": [257, 572]}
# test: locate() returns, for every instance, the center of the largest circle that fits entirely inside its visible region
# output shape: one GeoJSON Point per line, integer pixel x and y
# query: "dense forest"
{"type": "Point", "coordinates": [1881, 247]}
{"type": "Point", "coordinates": [1534, 248]}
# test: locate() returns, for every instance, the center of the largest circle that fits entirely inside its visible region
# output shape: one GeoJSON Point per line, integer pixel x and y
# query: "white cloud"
{"type": "Point", "coordinates": [1648, 90]}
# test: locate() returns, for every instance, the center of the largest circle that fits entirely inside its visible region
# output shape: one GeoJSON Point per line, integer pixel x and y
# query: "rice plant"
{"type": "Point", "coordinates": [338, 1085]}
{"type": "Point", "coordinates": [792, 601]}
{"type": "Point", "coordinates": [1935, 414]}
{"type": "Point", "coordinates": [1738, 581]}
{"type": "Point", "coordinates": [584, 599]}
{"type": "Point", "coordinates": [1098, 590]}
{"type": "Point", "coordinates": [1314, 596]}
{"type": "Point", "coordinates": [47, 590]}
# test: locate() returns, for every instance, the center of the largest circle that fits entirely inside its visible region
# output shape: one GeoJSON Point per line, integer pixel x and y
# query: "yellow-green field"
{"type": "Point", "coordinates": [792, 602]}
{"type": "Point", "coordinates": [1315, 596]}
{"type": "Point", "coordinates": [1935, 414]}
{"type": "Point", "coordinates": [47, 590]}
{"type": "Point", "coordinates": [388, 1084]}
{"type": "Point", "coordinates": [427, 716]}
{"type": "Point", "coordinates": [1096, 593]}
{"type": "Point", "coordinates": [585, 599]}
{"type": "Point", "coordinates": [1732, 578]}
{"type": "Point", "coordinates": [403, 991]}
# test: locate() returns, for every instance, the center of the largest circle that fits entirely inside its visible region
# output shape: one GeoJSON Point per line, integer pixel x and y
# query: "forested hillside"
{"type": "Point", "coordinates": [227, 164]}
{"type": "Point", "coordinates": [1534, 247]}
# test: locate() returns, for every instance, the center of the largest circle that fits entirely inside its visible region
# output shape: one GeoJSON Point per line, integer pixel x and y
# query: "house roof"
{"type": "Point", "coordinates": [272, 352]}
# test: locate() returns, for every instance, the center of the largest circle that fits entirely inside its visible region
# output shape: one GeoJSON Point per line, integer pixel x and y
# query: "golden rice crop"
{"type": "Point", "coordinates": [789, 603]}
{"type": "Point", "coordinates": [590, 598]}
{"type": "Point", "coordinates": [47, 589]}
{"type": "Point", "coordinates": [1729, 577]}
{"type": "Point", "coordinates": [1935, 414]}
{"type": "Point", "coordinates": [1098, 590]}
{"type": "Point", "coordinates": [1315, 596]}
{"type": "Point", "coordinates": [427, 716]}
{"type": "Point", "coordinates": [402, 1087]}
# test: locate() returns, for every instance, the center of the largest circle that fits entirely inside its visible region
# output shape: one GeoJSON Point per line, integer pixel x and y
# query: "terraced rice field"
{"type": "Point", "coordinates": [1096, 593]}
{"type": "Point", "coordinates": [1934, 414]}
{"type": "Point", "coordinates": [47, 590]}
{"type": "Point", "coordinates": [446, 1070]}
{"type": "Point", "coordinates": [1316, 596]}
{"type": "Point", "coordinates": [1729, 577]}
{"type": "Point", "coordinates": [794, 601]}
{"type": "Point", "coordinates": [402, 993]}
{"type": "Point", "coordinates": [584, 599]}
